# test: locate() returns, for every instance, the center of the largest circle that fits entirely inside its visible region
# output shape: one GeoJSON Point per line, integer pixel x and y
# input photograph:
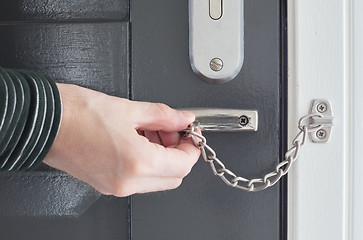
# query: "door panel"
{"type": "Point", "coordinates": [93, 55]}
{"type": "Point", "coordinates": [80, 42]}
{"type": "Point", "coordinates": [204, 207]}
{"type": "Point", "coordinates": [66, 10]}
{"type": "Point", "coordinates": [105, 219]}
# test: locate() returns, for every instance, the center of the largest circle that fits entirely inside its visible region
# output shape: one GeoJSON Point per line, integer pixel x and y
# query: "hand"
{"type": "Point", "coordinates": [121, 147]}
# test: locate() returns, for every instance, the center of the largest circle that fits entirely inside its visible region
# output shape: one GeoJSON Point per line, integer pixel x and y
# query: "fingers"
{"type": "Point", "coordinates": [158, 117]}
{"type": "Point", "coordinates": [152, 136]}
{"type": "Point", "coordinates": [169, 139]}
{"type": "Point", "coordinates": [160, 161]}
{"type": "Point", "coordinates": [161, 158]}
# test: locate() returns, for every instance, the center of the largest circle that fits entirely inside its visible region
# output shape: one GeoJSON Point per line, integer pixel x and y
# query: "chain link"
{"type": "Point", "coordinates": [256, 184]}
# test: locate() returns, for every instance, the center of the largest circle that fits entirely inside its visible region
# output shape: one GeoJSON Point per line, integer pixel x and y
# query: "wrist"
{"type": "Point", "coordinates": [67, 123]}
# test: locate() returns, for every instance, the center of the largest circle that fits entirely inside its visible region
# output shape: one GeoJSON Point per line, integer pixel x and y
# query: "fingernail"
{"type": "Point", "coordinates": [188, 115]}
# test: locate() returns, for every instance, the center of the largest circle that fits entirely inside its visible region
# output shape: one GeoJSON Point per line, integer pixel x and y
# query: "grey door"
{"type": "Point", "coordinates": [139, 50]}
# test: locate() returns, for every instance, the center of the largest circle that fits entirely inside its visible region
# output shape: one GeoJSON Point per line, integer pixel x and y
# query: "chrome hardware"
{"type": "Point", "coordinates": [216, 9]}
{"type": "Point", "coordinates": [322, 123]}
{"type": "Point", "coordinates": [224, 120]}
{"type": "Point", "coordinates": [216, 45]}
{"type": "Point", "coordinates": [216, 64]}
{"type": "Point", "coordinates": [318, 123]}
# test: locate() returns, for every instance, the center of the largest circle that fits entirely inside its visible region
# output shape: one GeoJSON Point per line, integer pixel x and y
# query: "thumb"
{"type": "Point", "coordinates": [159, 117]}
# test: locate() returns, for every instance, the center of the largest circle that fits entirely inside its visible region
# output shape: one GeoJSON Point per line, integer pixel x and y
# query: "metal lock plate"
{"type": "Point", "coordinates": [216, 46]}
{"type": "Point", "coordinates": [323, 123]}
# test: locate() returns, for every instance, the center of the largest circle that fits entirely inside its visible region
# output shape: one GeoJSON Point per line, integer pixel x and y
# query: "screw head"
{"type": "Point", "coordinates": [321, 134]}
{"type": "Point", "coordinates": [322, 107]}
{"type": "Point", "coordinates": [216, 64]}
{"type": "Point", "coordinates": [244, 120]}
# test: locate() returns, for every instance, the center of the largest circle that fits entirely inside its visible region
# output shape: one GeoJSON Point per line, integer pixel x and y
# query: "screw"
{"type": "Point", "coordinates": [244, 120]}
{"type": "Point", "coordinates": [216, 64]}
{"type": "Point", "coordinates": [322, 107]}
{"type": "Point", "coordinates": [321, 134]}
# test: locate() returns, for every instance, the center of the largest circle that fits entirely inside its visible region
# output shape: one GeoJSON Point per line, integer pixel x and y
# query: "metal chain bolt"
{"type": "Point", "coordinates": [257, 184]}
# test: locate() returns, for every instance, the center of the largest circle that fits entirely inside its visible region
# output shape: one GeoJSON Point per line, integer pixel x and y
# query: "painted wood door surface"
{"type": "Point", "coordinates": [139, 50]}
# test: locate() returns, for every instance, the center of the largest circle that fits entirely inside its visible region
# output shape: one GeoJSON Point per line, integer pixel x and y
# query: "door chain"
{"type": "Point", "coordinates": [256, 184]}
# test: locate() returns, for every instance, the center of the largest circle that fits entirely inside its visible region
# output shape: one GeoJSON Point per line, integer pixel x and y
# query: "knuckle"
{"type": "Point", "coordinates": [165, 112]}
{"type": "Point", "coordinates": [162, 108]}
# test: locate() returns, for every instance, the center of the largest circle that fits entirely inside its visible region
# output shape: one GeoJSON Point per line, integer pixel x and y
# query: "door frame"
{"type": "Point", "coordinates": [325, 183]}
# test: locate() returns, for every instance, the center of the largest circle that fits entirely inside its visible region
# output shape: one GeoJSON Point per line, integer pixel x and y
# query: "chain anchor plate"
{"type": "Point", "coordinates": [323, 107]}
{"type": "Point", "coordinates": [319, 118]}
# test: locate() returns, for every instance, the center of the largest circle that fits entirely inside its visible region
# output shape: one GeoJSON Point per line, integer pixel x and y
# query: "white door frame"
{"type": "Point", "coordinates": [325, 193]}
